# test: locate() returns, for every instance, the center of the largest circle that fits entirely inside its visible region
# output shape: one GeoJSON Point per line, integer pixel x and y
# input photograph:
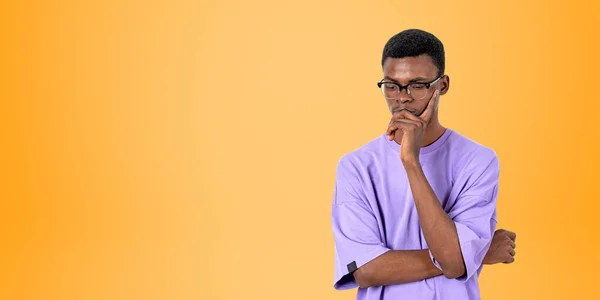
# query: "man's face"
{"type": "Point", "coordinates": [417, 69]}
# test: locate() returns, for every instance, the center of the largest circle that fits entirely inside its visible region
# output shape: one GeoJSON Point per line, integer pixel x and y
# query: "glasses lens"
{"type": "Point", "coordinates": [389, 90]}
{"type": "Point", "coordinates": [418, 91]}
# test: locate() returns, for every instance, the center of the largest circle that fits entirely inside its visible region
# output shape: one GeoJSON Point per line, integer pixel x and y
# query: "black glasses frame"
{"type": "Point", "coordinates": [405, 87]}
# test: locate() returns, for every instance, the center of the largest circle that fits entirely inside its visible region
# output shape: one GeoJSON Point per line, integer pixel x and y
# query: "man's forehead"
{"type": "Point", "coordinates": [407, 68]}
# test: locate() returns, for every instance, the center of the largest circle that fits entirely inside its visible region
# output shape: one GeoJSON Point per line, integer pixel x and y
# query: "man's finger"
{"type": "Point", "coordinates": [390, 130]}
{"type": "Point", "coordinates": [511, 235]}
{"type": "Point", "coordinates": [513, 244]}
{"type": "Point", "coordinates": [392, 120]}
{"type": "Point", "coordinates": [401, 124]}
{"type": "Point", "coordinates": [391, 136]}
{"type": "Point", "coordinates": [512, 251]}
{"type": "Point", "coordinates": [404, 114]}
{"type": "Point", "coordinates": [405, 124]}
{"type": "Point", "coordinates": [426, 115]}
{"type": "Point", "coordinates": [510, 260]}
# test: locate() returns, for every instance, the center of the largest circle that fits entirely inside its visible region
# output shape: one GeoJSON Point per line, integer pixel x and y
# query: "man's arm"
{"type": "Point", "coordinates": [459, 239]}
{"type": "Point", "coordinates": [438, 229]}
{"type": "Point", "coordinates": [395, 267]}
{"type": "Point", "coordinates": [402, 266]}
{"type": "Point", "coordinates": [469, 226]}
{"type": "Point", "coordinates": [361, 257]}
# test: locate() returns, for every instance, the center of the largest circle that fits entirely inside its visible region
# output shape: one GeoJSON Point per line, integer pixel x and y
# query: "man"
{"type": "Point", "coordinates": [414, 210]}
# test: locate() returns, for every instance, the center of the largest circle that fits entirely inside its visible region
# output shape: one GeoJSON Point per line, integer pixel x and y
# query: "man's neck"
{"type": "Point", "coordinates": [433, 132]}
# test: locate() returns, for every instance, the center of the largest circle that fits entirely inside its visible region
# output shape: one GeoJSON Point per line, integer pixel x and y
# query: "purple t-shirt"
{"type": "Point", "coordinates": [374, 211]}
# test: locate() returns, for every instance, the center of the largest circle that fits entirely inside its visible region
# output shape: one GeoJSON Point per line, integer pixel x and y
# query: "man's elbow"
{"type": "Point", "coordinates": [453, 273]}
{"type": "Point", "coordinates": [363, 277]}
{"type": "Point", "coordinates": [454, 267]}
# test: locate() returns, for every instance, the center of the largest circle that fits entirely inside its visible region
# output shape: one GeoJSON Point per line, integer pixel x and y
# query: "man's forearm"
{"type": "Point", "coordinates": [438, 229]}
{"type": "Point", "coordinates": [395, 267]}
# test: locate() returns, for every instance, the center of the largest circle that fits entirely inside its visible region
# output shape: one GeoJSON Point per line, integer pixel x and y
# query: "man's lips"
{"type": "Point", "coordinates": [401, 109]}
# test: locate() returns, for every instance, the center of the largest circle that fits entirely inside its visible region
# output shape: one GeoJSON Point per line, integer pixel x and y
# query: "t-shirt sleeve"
{"type": "Point", "coordinates": [357, 238]}
{"type": "Point", "coordinates": [474, 214]}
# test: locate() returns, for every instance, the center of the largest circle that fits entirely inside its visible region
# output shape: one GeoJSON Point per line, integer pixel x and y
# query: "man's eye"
{"type": "Point", "coordinates": [390, 86]}
{"type": "Point", "coordinates": [418, 86]}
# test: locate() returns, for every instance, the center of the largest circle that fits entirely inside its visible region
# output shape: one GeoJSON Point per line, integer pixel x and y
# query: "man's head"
{"type": "Point", "coordinates": [413, 57]}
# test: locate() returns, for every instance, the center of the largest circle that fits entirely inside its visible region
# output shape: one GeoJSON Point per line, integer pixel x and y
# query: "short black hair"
{"type": "Point", "coordinates": [415, 42]}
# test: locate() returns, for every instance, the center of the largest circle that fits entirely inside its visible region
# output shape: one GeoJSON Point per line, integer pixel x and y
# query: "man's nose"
{"type": "Point", "coordinates": [403, 96]}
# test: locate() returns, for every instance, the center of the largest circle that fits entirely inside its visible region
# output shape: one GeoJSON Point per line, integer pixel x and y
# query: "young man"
{"type": "Point", "coordinates": [414, 210]}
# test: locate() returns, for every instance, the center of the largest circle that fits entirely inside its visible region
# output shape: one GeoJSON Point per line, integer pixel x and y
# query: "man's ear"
{"type": "Point", "coordinates": [444, 84]}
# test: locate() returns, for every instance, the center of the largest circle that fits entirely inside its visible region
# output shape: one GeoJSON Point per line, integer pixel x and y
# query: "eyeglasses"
{"type": "Point", "coordinates": [417, 90]}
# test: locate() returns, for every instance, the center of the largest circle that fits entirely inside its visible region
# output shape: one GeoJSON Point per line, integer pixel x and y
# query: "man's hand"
{"type": "Point", "coordinates": [412, 129]}
{"type": "Point", "coordinates": [502, 249]}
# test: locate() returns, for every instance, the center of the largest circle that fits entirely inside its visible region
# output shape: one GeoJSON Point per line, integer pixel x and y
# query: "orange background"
{"type": "Point", "coordinates": [187, 150]}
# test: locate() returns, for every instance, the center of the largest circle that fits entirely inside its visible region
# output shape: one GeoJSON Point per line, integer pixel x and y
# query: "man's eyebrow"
{"type": "Point", "coordinates": [390, 79]}
{"type": "Point", "coordinates": [418, 79]}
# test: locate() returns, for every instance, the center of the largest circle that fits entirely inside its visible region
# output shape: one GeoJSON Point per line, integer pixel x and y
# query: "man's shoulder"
{"type": "Point", "coordinates": [364, 154]}
{"type": "Point", "coordinates": [467, 150]}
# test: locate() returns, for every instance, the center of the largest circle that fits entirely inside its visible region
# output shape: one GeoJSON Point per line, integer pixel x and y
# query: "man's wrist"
{"type": "Point", "coordinates": [411, 162]}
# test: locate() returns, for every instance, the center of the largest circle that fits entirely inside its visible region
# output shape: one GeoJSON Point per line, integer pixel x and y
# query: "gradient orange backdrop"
{"type": "Point", "coordinates": [187, 150]}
